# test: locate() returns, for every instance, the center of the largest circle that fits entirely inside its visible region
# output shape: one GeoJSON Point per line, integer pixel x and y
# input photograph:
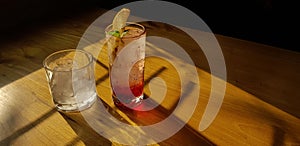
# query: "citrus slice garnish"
{"type": "Point", "coordinates": [120, 20]}
{"type": "Point", "coordinates": [118, 23]}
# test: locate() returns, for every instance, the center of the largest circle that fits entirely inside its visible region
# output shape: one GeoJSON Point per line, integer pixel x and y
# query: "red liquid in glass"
{"type": "Point", "coordinates": [133, 97]}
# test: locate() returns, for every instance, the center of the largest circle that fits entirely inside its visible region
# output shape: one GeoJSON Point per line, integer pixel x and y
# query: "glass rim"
{"type": "Point", "coordinates": [107, 29]}
{"type": "Point", "coordinates": [89, 55]}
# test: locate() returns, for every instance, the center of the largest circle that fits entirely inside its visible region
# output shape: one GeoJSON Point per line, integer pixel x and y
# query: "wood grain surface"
{"type": "Point", "coordinates": [260, 107]}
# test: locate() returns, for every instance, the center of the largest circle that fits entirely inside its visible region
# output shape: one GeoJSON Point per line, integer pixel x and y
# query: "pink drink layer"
{"type": "Point", "coordinates": [131, 98]}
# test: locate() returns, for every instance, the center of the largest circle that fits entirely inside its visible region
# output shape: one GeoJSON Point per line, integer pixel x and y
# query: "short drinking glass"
{"type": "Point", "coordinates": [70, 75]}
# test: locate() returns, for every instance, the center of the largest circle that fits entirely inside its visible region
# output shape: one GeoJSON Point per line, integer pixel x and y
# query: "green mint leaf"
{"type": "Point", "coordinates": [114, 33]}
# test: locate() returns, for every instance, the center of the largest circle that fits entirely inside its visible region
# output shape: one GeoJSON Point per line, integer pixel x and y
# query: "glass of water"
{"type": "Point", "coordinates": [70, 74]}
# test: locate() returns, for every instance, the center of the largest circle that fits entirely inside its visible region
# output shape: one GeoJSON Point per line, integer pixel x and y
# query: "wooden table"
{"type": "Point", "coordinates": [260, 107]}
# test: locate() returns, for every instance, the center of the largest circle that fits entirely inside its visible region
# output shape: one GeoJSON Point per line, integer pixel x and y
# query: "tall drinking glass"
{"type": "Point", "coordinates": [126, 53]}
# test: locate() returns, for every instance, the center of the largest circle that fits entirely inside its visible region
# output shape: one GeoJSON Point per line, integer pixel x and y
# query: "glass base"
{"type": "Point", "coordinates": [78, 106]}
{"type": "Point", "coordinates": [135, 102]}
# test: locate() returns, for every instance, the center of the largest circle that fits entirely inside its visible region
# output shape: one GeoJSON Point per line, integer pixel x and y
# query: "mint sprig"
{"type": "Point", "coordinates": [117, 33]}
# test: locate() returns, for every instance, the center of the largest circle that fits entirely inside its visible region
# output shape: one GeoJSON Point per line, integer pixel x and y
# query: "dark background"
{"type": "Point", "coordinates": [271, 22]}
{"type": "Point", "coordinates": [265, 21]}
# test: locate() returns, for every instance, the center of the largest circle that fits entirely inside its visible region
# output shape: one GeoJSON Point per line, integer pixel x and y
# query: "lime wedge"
{"type": "Point", "coordinates": [120, 19]}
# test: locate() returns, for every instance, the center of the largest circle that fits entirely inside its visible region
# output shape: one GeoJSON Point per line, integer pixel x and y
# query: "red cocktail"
{"type": "Point", "coordinates": [126, 53]}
